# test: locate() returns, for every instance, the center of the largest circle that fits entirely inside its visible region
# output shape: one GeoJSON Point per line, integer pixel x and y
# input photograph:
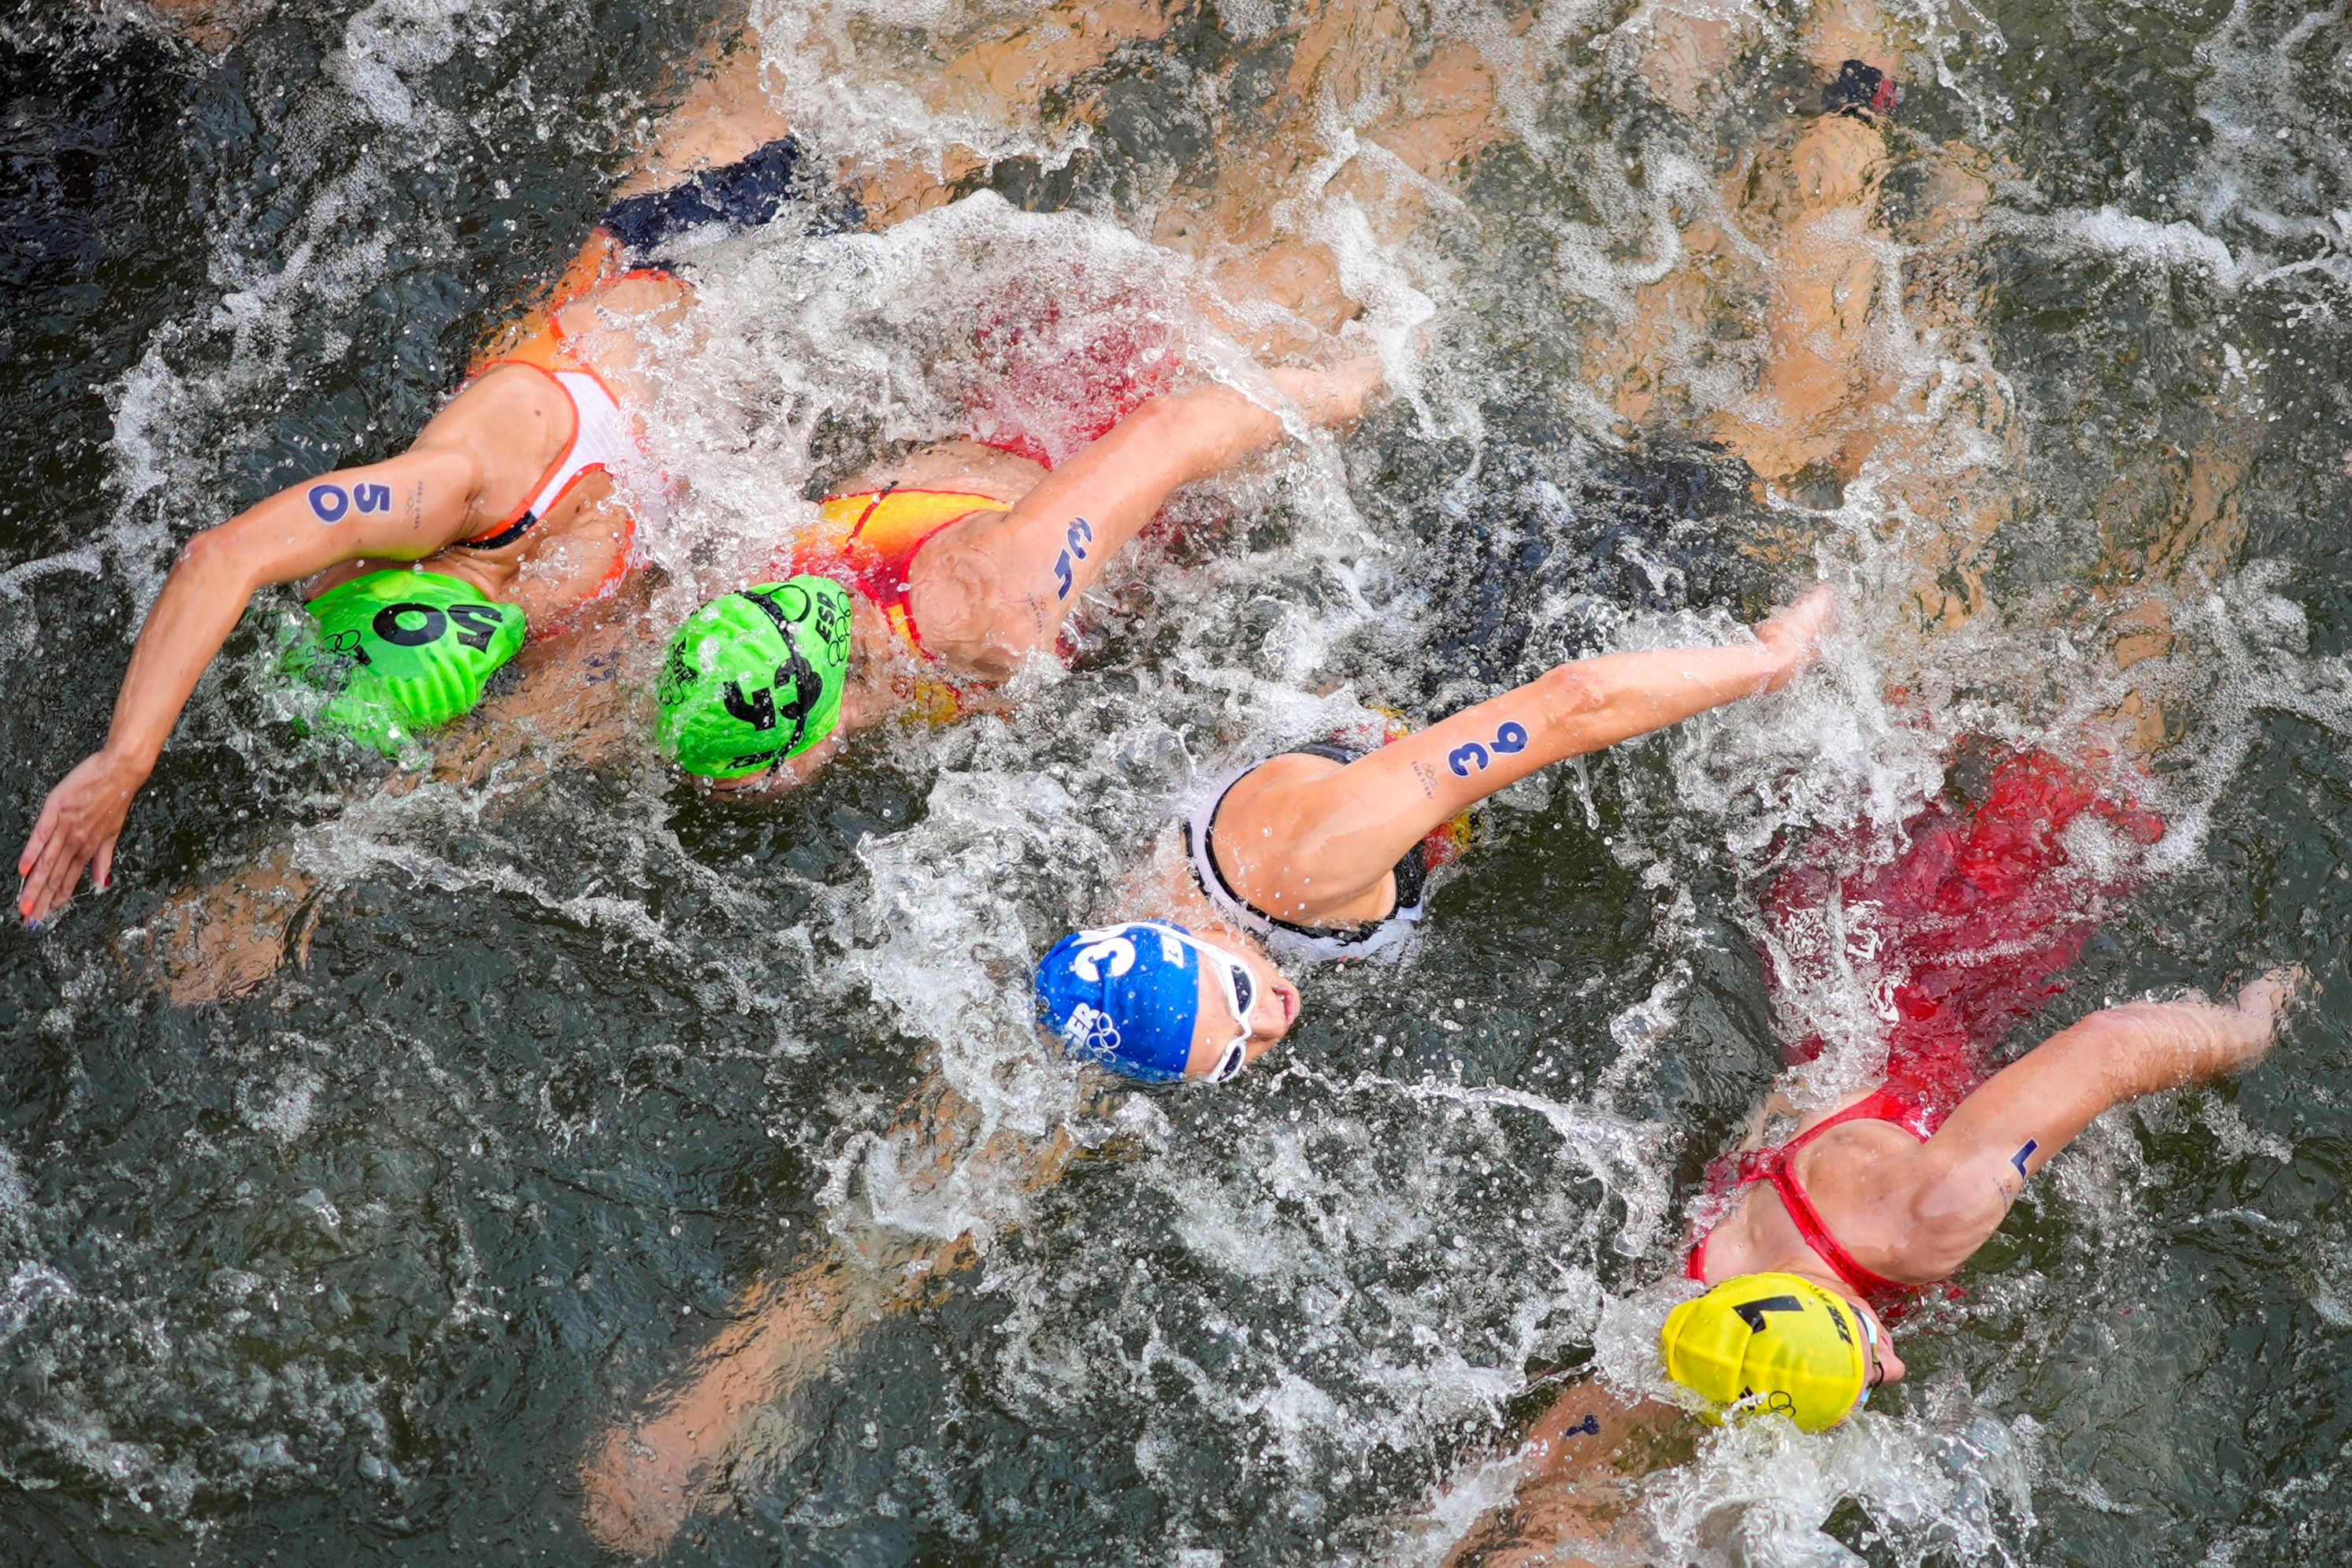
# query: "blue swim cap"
{"type": "Point", "coordinates": [1127, 996]}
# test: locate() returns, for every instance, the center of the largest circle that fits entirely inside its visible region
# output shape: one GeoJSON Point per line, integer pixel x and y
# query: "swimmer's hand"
{"type": "Point", "coordinates": [2262, 1003]}
{"type": "Point", "coordinates": [1796, 632]}
{"type": "Point", "coordinates": [1338, 395]}
{"type": "Point", "coordinates": [78, 825]}
{"type": "Point", "coordinates": [635, 1502]}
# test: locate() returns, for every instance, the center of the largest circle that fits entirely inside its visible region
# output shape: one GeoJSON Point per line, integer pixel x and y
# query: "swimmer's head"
{"type": "Point", "coordinates": [1775, 1342]}
{"type": "Point", "coordinates": [753, 678]}
{"type": "Point", "coordinates": [1153, 1001]}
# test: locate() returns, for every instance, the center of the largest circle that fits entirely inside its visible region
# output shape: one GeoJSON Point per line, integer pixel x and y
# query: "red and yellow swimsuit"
{"type": "Point", "coordinates": [868, 540]}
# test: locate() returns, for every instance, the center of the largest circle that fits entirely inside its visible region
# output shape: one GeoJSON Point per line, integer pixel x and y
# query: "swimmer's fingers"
{"type": "Point", "coordinates": [48, 867]}
{"type": "Point", "coordinates": [44, 828]}
{"type": "Point", "coordinates": [78, 825]}
{"type": "Point", "coordinates": [26, 894]}
{"type": "Point", "coordinates": [1798, 629]}
{"type": "Point", "coordinates": [2274, 993]}
{"type": "Point", "coordinates": [49, 885]}
{"type": "Point", "coordinates": [1338, 395]}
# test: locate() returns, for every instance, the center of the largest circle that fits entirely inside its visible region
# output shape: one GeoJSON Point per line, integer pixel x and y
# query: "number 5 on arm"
{"type": "Point", "coordinates": [404, 509]}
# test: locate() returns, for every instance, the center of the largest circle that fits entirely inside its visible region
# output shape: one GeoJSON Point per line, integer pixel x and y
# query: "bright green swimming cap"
{"type": "Point", "coordinates": [754, 676]}
{"type": "Point", "coordinates": [402, 650]}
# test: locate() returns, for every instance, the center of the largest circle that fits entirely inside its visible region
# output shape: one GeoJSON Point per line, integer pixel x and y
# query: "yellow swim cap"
{"type": "Point", "coordinates": [1775, 1340]}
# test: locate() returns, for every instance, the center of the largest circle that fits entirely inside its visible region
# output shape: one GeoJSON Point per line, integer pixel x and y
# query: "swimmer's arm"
{"type": "Point", "coordinates": [418, 501]}
{"type": "Point", "coordinates": [1570, 1491]}
{"type": "Point", "coordinates": [1977, 1162]}
{"type": "Point", "coordinates": [650, 1475]}
{"type": "Point", "coordinates": [1055, 544]}
{"type": "Point", "coordinates": [415, 503]}
{"type": "Point", "coordinates": [646, 1480]}
{"type": "Point", "coordinates": [1399, 793]}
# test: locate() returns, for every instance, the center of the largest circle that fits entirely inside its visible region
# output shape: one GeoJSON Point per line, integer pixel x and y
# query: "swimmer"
{"type": "Point", "coordinates": [1323, 852]}
{"type": "Point", "coordinates": [424, 571]}
{"type": "Point", "coordinates": [1863, 354]}
{"type": "Point", "coordinates": [906, 537]}
{"type": "Point", "coordinates": [1274, 292]}
{"type": "Point", "coordinates": [1811, 1247]}
{"type": "Point", "coordinates": [941, 573]}
{"type": "Point", "coordinates": [659, 1465]}
{"type": "Point", "coordinates": [1866, 1206]}
{"type": "Point", "coordinates": [1156, 1001]}
{"type": "Point", "coordinates": [514, 509]}
{"type": "Point", "coordinates": [208, 23]}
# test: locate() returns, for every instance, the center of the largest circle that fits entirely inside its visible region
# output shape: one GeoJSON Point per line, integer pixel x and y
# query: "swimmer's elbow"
{"type": "Point", "coordinates": [1573, 702]}
{"type": "Point", "coordinates": [219, 559]}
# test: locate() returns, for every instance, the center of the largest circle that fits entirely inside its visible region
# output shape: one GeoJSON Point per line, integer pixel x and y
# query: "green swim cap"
{"type": "Point", "coordinates": [402, 650]}
{"type": "Point", "coordinates": [754, 676]}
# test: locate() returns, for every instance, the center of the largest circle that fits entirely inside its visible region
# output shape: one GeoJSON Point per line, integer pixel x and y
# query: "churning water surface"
{"type": "Point", "coordinates": [353, 1266]}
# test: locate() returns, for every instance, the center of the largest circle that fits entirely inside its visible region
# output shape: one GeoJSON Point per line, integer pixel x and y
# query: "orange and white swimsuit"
{"type": "Point", "coordinates": [603, 440]}
{"type": "Point", "coordinates": [868, 540]}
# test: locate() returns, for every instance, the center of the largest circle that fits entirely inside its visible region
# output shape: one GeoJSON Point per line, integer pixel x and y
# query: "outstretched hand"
{"type": "Point", "coordinates": [1336, 395]}
{"type": "Point", "coordinates": [78, 825]}
{"type": "Point", "coordinates": [634, 1503]}
{"type": "Point", "coordinates": [1796, 632]}
{"type": "Point", "coordinates": [2262, 1003]}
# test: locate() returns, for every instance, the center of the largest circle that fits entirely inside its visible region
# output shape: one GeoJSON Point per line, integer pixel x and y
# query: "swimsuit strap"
{"type": "Point", "coordinates": [1870, 1285]}
{"type": "Point", "coordinates": [599, 443]}
{"type": "Point", "coordinates": [1882, 1104]}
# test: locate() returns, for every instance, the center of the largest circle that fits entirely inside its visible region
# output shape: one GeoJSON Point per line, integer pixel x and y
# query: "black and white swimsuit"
{"type": "Point", "coordinates": [1378, 938]}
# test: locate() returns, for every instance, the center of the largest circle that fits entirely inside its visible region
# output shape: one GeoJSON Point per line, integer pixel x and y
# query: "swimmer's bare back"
{"type": "Point", "coordinates": [471, 467]}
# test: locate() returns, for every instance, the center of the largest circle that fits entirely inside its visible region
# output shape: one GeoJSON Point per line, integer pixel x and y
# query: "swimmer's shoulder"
{"type": "Point", "coordinates": [1261, 790]}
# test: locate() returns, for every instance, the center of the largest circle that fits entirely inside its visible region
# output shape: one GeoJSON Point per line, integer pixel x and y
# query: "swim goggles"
{"type": "Point", "coordinates": [1870, 1348]}
{"type": "Point", "coordinates": [1239, 987]}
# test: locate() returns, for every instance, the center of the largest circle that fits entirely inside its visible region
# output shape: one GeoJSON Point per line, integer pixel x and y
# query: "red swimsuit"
{"type": "Point", "coordinates": [1973, 919]}
{"type": "Point", "coordinates": [1777, 1165]}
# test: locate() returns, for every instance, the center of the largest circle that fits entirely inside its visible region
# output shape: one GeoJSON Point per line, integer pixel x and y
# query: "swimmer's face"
{"type": "Point", "coordinates": [1272, 1006]}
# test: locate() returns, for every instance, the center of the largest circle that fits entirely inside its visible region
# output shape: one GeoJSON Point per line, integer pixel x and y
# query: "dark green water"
{"type": "Point", "coordinates": [353, 1268]}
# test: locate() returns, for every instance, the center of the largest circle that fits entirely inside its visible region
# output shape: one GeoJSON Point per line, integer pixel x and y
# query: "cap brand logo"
{"type": "Point", "coordinates": [1111, 945]}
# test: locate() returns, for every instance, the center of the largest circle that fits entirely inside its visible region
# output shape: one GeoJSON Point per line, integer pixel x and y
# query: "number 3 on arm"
{"type": "Point", "coordinates": [1510, 737]}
